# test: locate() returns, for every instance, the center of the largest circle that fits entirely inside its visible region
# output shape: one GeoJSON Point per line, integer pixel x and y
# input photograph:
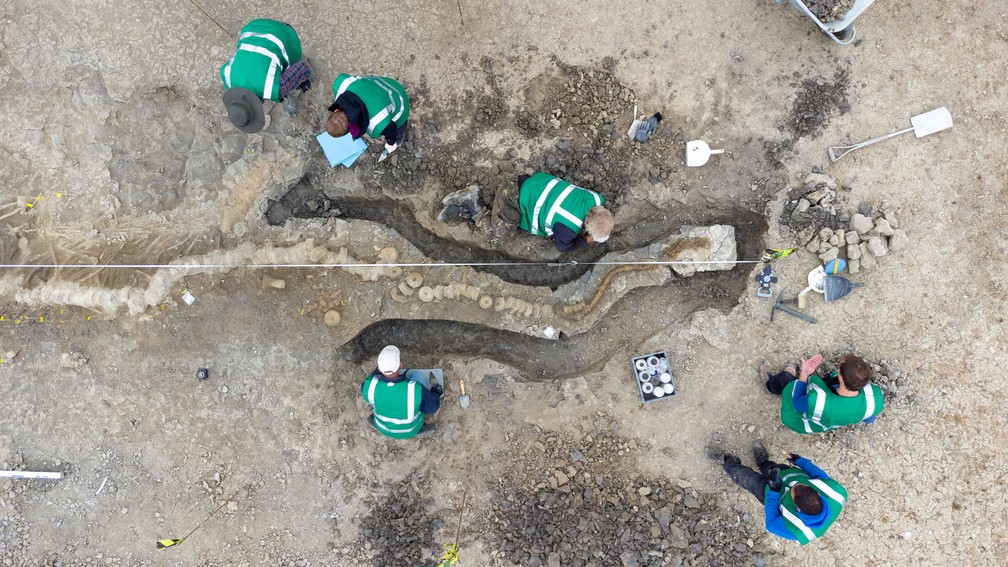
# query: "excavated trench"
{"type": "Point", "coordinates": [629, 322]}
{"type": "Point", "coordinates": [654, 225]}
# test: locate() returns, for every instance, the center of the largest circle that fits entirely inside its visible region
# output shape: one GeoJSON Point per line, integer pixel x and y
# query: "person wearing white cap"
{"type": "Point", "coordinates": [545, 205]}
{"type": "Point", "coordinates": [399, 398]}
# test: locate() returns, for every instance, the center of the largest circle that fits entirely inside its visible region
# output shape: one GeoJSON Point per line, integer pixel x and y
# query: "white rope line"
{"type": "Point", "coordinates": [365, 265]}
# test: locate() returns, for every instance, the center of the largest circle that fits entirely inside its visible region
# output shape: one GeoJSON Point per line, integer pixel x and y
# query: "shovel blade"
{"type": "Point", "coordinates": [930, 122]}
{"type": "Point", "coordinates": [464, 402]}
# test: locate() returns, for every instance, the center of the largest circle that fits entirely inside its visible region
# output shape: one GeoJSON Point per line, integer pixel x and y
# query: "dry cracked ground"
{"type": "Point", "coordinates": [113, 132]}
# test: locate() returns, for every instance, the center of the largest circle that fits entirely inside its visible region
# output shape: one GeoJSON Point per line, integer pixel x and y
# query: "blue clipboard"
{"type": "Point", "coordinates": [341, 151]}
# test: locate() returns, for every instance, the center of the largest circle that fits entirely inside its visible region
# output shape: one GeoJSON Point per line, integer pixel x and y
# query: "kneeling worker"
{"type": "Point", "coordinates": [800, 502]}
{"type": "Point", "coordinates": [546, 205]}
{"type": "Point", "coordinates": [377, 106]}
{"type": "Point", "coordinates": [267, 65]}
{"type": "Point", "coordinates": [399, 397]}
{"type": "Point", "coordinates": [810, 404]}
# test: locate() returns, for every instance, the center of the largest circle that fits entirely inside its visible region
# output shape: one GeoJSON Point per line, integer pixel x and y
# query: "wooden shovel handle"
{"type": "Point", "coordinates": [462, 386]}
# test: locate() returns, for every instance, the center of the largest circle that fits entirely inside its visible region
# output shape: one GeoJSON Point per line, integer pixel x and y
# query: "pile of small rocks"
{"type": "Point", "coordinates": [829, 10]}
{"type": "Point", "coordinates": [860, 238]}
{"type": "Point", "coordinates": [582, 502]}
{"type": "Point", "coordinates": [400, 529]}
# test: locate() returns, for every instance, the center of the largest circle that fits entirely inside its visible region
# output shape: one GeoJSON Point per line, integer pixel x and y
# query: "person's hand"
{"type": "Point", "coordinates": [590, 239]}
{"type": "Point", "coordinates": [437, 389]}
{"type": "Point", "coordinates": [775, 483]}
{"type": "Point", "coordinates": [808, 366]}
{"type": "Point", "coordinates": [793, 458]}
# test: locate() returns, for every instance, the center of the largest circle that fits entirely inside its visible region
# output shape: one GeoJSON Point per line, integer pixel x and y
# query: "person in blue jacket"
{"type": "Point", "coordinates": [800, 501]}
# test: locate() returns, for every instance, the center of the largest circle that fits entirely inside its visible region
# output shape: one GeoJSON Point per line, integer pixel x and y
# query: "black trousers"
{"type": "Point", "coordinates": [755, 482]}
{"type": "Point", "coordinates": [777, 382]}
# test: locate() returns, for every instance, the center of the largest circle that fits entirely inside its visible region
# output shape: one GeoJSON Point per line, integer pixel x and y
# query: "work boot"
{"type": "Point", "coordinates": [760, 454]}
{"type": "Point", "coordinates": [425, 431]}
{"type": "Point", "coordinates": [291, 101]}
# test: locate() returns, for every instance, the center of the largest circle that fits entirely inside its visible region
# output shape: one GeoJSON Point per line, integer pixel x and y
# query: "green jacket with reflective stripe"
{"type": "Point", "coordinates": [396, 405]}
{"type": "Point", "coordinates": [545, 200]}
{"type": "Point", "coordinates": [385, 99]}
{"type": "Point", "coordinates": [266, 48]}
{"type": "Point", "coordinates": [829, 490]}
{"type": "Point", "coordinates": [827, 409]}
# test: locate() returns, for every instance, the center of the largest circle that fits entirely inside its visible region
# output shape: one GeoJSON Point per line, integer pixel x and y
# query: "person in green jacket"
{"type": "Point", "coordinates": [810, 404]}
{"type": "Point", "coordinates": [545, 205]}
{"type": "Point", "coordinates": [267, 65]}
{"type": "Point", "coordinates": [376, 106]}
{"type": "Point", "coordinates": [800, 501]}
{"type": "Point", "coordinates": [399, 397]}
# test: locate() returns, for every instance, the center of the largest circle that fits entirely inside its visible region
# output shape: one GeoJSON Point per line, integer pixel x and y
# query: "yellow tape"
{"type": "Point", "coordinates": [451, 556]}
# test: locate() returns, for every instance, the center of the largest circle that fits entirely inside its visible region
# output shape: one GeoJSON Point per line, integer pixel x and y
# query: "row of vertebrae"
{"type": "Point", "coordinates": [164, 279]}
{"type": "Point", "coordinates": [413, 284]}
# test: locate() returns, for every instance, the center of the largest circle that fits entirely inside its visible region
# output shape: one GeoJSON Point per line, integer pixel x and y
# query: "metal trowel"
{"type": "Point", "coordinates": [464, 397]}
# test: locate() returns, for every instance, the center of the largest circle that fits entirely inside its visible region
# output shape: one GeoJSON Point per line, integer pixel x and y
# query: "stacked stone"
{"type": "Point", "coordinates": [866, 237]}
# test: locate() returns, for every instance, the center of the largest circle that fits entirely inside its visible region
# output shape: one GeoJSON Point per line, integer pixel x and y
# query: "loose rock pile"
{"type": "Point", "coordinates": [829, 10]}
{"type": "Point", "coordinates": [860, 238]}
{"type": "Point", "coordinates": [581, 502]}
{"type": "Point", "coordinates": [400, 529]}
{"type": "Point", "coordinates": [818, 99]}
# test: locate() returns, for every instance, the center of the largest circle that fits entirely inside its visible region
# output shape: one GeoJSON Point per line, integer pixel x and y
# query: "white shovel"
{"type": "Point", "coordinates": [923, 124]}
{"type": "Point", "coordinates": [698, 152]}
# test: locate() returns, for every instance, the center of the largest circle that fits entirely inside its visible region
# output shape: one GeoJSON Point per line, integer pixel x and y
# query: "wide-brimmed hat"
{"type": "Point", "coordinates": [245, 110]}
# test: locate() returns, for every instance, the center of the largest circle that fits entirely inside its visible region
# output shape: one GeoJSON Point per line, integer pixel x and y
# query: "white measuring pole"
{"type": "Point", "coordinates": [31, 474]}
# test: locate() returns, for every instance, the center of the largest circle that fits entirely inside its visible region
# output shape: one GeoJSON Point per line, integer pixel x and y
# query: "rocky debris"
{"type": "Point", "coordinates": [818, 99]}
{"type": "Point", "coordinates": [400, 529]}
{"type": "Point", "coordinates": [829, 10]}
{"type": "Point", "coordinates": [463, 204]}
{"type": "Point", "coordinates": [581, 502]}
{"type": "Point", "coordinates": [73, 360]}
{"type": "Point", "coordinates": [860, 238]}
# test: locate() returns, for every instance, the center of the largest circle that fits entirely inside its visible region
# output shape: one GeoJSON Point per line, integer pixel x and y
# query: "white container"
{"type": "Point", "coordinates": [658, 392]}
{"type": "Point", "coordinates": [641, 364]}
{"type": "Point", "coordinates": [667, 388]}
{"type": "Point", "coordinates": [652, 361]}
{"type": "Point", "coordinates": [665, 378]}
{"type": "Point", "coordinates": [644, 377]}
{"type": "Point", "coordinates": [647, 388]}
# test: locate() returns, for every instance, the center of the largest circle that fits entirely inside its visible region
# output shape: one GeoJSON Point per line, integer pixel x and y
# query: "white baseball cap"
{"type": "Point", "coordinates": [388, 360]}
